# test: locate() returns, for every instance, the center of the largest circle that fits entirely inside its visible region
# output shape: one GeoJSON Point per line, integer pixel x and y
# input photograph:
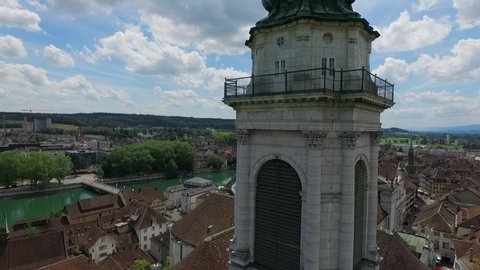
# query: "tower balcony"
{"type": "Point", "coordinates": [318, 83]}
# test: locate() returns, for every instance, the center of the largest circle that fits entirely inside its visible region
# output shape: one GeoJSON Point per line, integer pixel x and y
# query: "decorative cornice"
{"type": "Point", "coordinates": [331, 197]}
{"type": "Point", "coordinates": [349, 138]}
{"type": "Point", "coordinates": [315, 139]}
{"type": "Point", "coordinates": [242, 135]}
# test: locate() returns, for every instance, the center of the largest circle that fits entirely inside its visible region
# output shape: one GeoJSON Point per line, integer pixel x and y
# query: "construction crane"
{"type": "Point", "coordinates": [30, 110]}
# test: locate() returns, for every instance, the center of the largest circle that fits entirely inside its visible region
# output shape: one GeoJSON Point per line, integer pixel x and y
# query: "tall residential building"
{"type": "Point", "coordinates": [308, 122]}
{"type": "Point", "coordinates": [42, 124]}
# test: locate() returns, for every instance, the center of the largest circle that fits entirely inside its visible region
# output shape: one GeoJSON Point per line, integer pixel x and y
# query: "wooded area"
{"type": "Point", "coordinates": [125, 120]}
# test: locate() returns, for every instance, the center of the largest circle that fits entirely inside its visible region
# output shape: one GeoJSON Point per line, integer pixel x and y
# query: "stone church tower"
{"type": "Point", "coordinates": [308, 121]}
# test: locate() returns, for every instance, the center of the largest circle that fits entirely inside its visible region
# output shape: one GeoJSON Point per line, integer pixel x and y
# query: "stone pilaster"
{"type": "Point", "coordinates": [372, 250]}
{"type": "Point", "coordinates": [312, 195]}
{"type": "Point", "coordinates": [240, 255]}
{"type": "Point", "coordinates": [348, 141]}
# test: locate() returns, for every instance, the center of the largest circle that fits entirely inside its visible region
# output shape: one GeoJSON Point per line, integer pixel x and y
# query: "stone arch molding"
{"type": "Point", "coordinates": [365, 160]}
{"type": "Point", "coordinates": [263, 160]}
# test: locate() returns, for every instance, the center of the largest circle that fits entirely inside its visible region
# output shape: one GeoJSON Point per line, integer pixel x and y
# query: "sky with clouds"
{"type": "Point", "coordinates": [171, 57]}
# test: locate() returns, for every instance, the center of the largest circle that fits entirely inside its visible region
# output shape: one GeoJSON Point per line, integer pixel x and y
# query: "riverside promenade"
{"type": "Point", "coordinates": [83, 180]}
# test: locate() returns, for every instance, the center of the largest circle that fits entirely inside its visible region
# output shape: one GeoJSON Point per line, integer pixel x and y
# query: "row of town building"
{"type": "Point", "coordinates": [430, 200]}
{"type": "Point", "coordinates": [92, 233]}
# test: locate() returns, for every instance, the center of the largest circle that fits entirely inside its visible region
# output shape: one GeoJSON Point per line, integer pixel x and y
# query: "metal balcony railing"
{"type": "Point", "coordinates": [311, 80]}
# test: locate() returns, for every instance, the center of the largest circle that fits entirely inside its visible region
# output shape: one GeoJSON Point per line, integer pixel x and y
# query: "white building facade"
{"type": "Point", "coordinates": [104, 246]}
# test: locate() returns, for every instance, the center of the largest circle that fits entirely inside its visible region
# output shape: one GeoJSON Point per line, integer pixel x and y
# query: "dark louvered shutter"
{"type": "Point", "coordinates": [278, 211]}
{"type": "Point", "coordinates": [359, 218]}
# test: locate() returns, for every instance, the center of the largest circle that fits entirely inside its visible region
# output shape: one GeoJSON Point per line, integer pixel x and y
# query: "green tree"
{"type": "Point", "coordinates": [39, 167]}
{"type": "Point", "coordinates": [215, 161]}
{"type": "Point", "coordinates": [150, 156]}
{"type": "Point", "coordinates": [184, 156]}
{"type": "Point", "coordinates": [11, 166]}
{"type": "Point", "coordinates": [61, 167]}
{"type": "Point", "coordinates": [141, 264]}
{"type": "Point", "coordinates": [141, 160]}
{"type": "Point", "coordinates": [79, 162]}
{"type": "Point", "coordinates": [171, 169]}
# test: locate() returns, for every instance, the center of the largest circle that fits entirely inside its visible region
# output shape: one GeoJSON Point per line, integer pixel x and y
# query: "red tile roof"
{"type": "Point", "coordinates": [124, 259]}
{"type": "Point", "coordinates": [469, 217]}
{"type": "Point", "coordinates": [396, 255]}
{"type": "Point", "coordinates": [91, 207]}
{"type": "Point", "coordinates": [212, 255]}
{"type": "Point", "coordinates": [144, 195]}
{"type": "Point", "coordinates": [388, 170]}
{"type": "Point", "coordinates": [85, 234]}
{"type": "Point", "coordinates": [216, 210]}
{"type": "Point", "coordinates": [73, 263]}
{"type": "Point", "coordinates": [471, 258]}
{"type": "Point", "coordinates": [440, 216]}
{"type": "Point", "coordinates": [146, 216]}
{"type": "Point", "coordinates": [31, 252]}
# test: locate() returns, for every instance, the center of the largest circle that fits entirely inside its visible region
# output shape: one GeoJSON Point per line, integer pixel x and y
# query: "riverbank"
{"type": "Point", "coordinates": [25, 191]}
{"type": "Point", "coordinates": [45, 203]}
{"type": "Point", "coordinates": [71, 182]}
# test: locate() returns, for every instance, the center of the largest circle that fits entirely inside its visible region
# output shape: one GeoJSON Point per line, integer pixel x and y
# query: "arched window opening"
{"type": "Point", "coordinates": [359, 214]}
{"type": "Point", "coordinates": [278, 208]}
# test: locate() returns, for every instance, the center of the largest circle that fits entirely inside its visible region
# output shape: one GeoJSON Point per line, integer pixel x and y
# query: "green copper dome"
{"type": "Point", "coordinates": [280, 11]}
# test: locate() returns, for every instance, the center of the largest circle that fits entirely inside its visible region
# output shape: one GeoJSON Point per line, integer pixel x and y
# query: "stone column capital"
{"type": "Point", "coordinates": [349, 138]}
{"type": "Point", "coordinates": [375, 137]}
{"type": "Point", "coordinates": [242, 135]}
{"type": "Point", "coordinates": [315, 139]}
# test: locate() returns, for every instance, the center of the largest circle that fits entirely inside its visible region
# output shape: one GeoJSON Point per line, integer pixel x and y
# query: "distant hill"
{"type": "Point", "coordinates": [394, 132]}
{"type": "Point", "coordinates": [127, 120]}
{"type": "Point", "coordinates": [395, 129]}
{"type": "Point", "coordinates": [456, 129]}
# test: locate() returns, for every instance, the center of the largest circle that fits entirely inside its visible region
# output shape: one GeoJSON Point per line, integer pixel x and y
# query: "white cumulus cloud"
{"type": "Point", "coordinates": [462, 64]}
{"type": "Point", "coordinates": [393, 70]}
{"type": "Point", "coordinates": [12, 16]}
{"type": "Point", "coordinates": [57, 57]}
{"type": "Point", "coordinates": [423, 109]}
{"type": "Point", "coordinates": [424, 5]}
{"type": "Point", "coordinates": [468, 13]}
{"type": "Point", "coordinates": [210, 26]}
{"type": "Point", "coordinates": [75, 7]}
{"type": "Point", "coordinates": [31, 83]}
{"type": "Point", "coordinates": [12, 47]}
{"type": "Point", "coordinates": [146, 57]}
{"type": "Point", "coordinates": [406, 35]}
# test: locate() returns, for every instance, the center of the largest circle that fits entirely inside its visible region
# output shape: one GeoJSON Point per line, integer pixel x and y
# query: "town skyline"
{"type": "Point", "coordinates": [161, 58]}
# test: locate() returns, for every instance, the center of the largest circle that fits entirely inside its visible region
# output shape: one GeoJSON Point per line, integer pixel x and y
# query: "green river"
{"type": "Point", "coordinates": [36, 206]}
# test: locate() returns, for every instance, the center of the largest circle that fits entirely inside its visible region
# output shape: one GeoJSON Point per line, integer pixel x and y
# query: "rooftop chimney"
{"type": "Point", "coordinates": [470, 255]}
{"type": "Point", "coordinates": [472, 232]}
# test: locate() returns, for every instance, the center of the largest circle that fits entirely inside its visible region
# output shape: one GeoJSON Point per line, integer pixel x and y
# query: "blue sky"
{"type": "Point", "coordinates": [171, 57]}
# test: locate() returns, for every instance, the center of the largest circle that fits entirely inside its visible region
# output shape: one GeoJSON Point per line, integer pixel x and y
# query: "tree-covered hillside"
{"type": "Point", "coordinates": [125, 120]}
